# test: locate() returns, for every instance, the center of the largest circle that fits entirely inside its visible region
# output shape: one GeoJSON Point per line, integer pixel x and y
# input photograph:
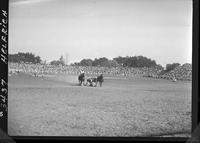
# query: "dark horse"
{"type": "Point", "coordinates": [81, 78]}
{"type": "Point", "coordinates": [100, 80]}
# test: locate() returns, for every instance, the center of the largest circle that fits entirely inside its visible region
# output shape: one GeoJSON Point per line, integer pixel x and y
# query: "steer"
{"type": "Point", "coordinates": [91, 81]}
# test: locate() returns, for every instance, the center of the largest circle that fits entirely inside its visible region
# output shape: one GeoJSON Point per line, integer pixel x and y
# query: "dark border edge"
{"type": "Point", "coordinates": [195, 90]}
{"type": "Point", "coordinates": [4, 68]}
{"type": "Point", "coordinates": [195, 66]}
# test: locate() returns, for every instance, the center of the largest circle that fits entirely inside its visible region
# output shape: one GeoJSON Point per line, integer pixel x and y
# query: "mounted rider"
{"type": "Point", "coordinates": [81, 77]}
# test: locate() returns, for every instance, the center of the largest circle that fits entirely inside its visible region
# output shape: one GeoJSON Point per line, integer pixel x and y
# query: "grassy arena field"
{"type": "Point", "coordinates": [57, 106]}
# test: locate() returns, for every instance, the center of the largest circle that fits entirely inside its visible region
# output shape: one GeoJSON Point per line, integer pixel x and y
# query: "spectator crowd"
{"type": "Point", "coordinates": [183, 72]}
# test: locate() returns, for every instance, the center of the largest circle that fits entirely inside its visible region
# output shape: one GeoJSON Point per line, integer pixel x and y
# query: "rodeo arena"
{"type": "Point", "coordinates": [183, 72]}
{"type": "Point", "coordinates": [71, 100]}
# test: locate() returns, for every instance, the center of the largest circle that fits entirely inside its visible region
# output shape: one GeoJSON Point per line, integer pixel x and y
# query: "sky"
{"type": "Point", "coordinates": [157, 29]}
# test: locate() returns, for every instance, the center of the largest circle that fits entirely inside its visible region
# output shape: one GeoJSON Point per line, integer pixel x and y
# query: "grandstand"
{"type": "Point", "coordinates": [183, 72]}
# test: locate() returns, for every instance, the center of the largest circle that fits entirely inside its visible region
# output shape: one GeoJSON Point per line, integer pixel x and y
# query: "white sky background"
{"type": "Point", "coordinates": [158, 29]}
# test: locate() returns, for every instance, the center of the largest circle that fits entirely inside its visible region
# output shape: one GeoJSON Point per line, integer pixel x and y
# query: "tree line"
{"type": "Point", "coordinates": [136, 61]}
{"type": "Point", "coordinates": [24, 57]}
{"type": "Point", "coordinates": [128, 61]}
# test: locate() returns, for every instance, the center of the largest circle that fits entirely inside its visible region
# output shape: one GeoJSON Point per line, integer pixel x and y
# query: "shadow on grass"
{"type": "Point", "coordinates": [84, 85]}
{"type": "Point", "coordinates": [77, 84]}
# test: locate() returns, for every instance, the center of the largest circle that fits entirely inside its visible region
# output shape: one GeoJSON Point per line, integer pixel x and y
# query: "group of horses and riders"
{"type": "Point", "coordinates": [91, 81]}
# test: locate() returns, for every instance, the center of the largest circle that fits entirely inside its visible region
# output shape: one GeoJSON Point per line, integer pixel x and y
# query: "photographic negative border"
{"type": "Point", "coordinates": [4, 65]}
{"type": "Point", "coordinates": [4, 6]}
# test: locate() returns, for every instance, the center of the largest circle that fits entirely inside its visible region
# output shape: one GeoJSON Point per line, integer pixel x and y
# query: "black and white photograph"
{"type": "Point", "coordinates": [100, 68]}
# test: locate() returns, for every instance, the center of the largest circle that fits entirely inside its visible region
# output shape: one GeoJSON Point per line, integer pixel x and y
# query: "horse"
{"type": "Point", "coordinates": [81, 78]}
{"type": "Point", "coordinates": [100, 80]}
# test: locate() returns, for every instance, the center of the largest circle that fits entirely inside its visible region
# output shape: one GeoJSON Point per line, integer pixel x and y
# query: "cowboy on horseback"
{"type": "Point", "coordinates": [81, 77]}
